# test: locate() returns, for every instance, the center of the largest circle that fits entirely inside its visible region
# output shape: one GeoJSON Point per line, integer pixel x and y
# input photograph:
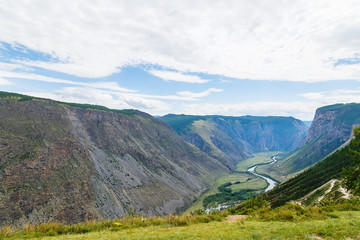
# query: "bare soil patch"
{"type": "Point", "coordinates": [235, 218]}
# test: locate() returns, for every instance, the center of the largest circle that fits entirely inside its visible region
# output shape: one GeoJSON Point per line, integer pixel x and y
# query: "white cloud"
{"type": "Point", "coordinates": [177, 76]}
{"type": "Point", "coordinates": [313, 95]}
{"type": "Point", "coordinates": [336, 96]}
{"type": "Point", "coordinates": [226, 81]}
{"type": "Point", "coordinates": [4, 82]}
{"type": "Point", "coordinates": [248, 39]}
{"type": "Point", "coordinates": [193, 95]}
{"type": "Point", "coordinates": [36, 77]}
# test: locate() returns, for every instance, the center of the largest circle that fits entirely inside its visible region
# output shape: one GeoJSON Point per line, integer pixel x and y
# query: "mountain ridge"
{"type": "Point", "coordinates": [232, 139]}
{"type": "Point", "coordinates": [68, 163]}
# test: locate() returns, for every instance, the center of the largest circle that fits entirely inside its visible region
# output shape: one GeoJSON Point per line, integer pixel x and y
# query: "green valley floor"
{"type": "Point", "coordinates": [247, 180]}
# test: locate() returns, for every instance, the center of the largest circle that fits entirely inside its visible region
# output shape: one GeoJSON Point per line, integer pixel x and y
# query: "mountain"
{"type": "Point", "coordinates": [316, 179]}
{"type": "Point", "coordinates": [72, 162]}
{"type": "Point", "coordinates": [331, 128]}
{"type": "Point", "coordinates": [232, 139]}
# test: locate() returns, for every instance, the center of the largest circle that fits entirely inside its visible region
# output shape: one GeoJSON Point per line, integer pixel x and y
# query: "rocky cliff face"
{"type": "Point", "coordinates": [232, 139]}
{"type": "Point", "coordinates": [331, 127]}
{"type": "Point", "coordinates": [69, 164]}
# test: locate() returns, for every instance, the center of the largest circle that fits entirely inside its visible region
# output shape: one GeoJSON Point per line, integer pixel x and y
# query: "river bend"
{"type": "Point", "coordinates": [271, 182]}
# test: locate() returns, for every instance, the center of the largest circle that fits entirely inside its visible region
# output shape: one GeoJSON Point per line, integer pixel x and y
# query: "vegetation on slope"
{"type": "Point", "coordinates": [124, 161]}
{"type": "Point", "coordinates": [332, 127]}
{"type": "Point", "coordinates": [330, 168]}
{"type": "Point", "coordinates": [22, 98]}
{"type": "Point", "coordinates": [348, 113]}
{"type": "Point", "coordinates": [352, 174]}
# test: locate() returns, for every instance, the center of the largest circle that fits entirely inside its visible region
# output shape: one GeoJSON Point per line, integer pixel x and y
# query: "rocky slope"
{"type": "Point", "coordinates": [331, 127]}
{"type": "Point", "coordinates": [70, 163]}
{"type": "Point", "coordinates": [231, 139]}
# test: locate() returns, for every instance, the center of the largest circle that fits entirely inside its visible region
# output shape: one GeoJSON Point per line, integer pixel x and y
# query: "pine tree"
{"type": "Point", "coordinates": [352, 174]}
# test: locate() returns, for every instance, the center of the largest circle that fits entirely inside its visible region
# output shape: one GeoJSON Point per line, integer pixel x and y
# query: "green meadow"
{"type": "Point", "coordinates": [288, 222]}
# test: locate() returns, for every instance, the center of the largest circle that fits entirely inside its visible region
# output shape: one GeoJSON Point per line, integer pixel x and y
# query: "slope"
{"type": "Point", "coordinates": [330, 129]}
{"type": "Point", "coordinates": [69, 163]}
{"type": "Point", "coordinates": [314, 177]}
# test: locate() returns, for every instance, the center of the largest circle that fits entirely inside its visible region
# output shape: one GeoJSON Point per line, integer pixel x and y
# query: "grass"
{"type": "Point", "coordinates": [258, 158]}
{"type": "Point", "coordinates": [135, 222]}
{"type": "Point", "coordinates": [340, 225]}
{"type": "Point", "coordinates": [252, 182]}
{"type": "Point", "coordinates": [332, 228]}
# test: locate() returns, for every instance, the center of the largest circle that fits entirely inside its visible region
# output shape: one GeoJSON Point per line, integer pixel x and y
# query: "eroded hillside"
{"type": "Point", "coordinates": [69, 164]}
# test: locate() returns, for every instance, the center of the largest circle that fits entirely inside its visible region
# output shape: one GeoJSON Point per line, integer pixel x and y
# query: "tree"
{"type": "Point", "coordinates": [352, 174]}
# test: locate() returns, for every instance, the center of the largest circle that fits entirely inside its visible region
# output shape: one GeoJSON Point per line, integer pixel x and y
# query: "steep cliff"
{"type": "Point", "coordinates": [68, 163]}
{"type": "Point", "coordinates": [331, 127]}
{"type": "Point", "coordinates": [232, 139]}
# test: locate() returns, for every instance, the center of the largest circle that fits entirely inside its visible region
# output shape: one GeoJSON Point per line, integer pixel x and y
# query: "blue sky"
{"type": "Point", "coordinates": [282, 58]}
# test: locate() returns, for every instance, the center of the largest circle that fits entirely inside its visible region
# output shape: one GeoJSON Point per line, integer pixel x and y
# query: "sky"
{"type": "Point", "coordinates": [203, 57]}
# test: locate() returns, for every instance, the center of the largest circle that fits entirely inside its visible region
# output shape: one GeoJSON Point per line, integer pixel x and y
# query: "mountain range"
{"type": "Point", "coordinates": [232, 139]}
{"type": "Point", "coordinates": [73, 162]}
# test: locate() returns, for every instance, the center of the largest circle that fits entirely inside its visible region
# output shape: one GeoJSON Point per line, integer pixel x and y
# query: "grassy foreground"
{"type": "Point", "coordinates": [333, 221]}
{"type": "Point", "coordinates": [347, 227]}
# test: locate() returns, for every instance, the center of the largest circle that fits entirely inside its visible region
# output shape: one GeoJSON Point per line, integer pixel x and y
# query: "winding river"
{"type": "Point", "coordinates": [271, 185]}
{"type": "Point", "coordinates": [271, 182]}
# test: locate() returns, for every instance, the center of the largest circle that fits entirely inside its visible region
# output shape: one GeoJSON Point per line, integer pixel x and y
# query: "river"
{"type": "Point", "coordinates": [271, 185]}
{"type": "Point", "coordinates": [271, 182]}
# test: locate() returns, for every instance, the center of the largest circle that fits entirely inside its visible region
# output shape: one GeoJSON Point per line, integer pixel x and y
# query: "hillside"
{"type": "Point", "coordinates": [232, 139]}
{"type": "Point", "coordinates": [70, 162]}
{"type": "Point", "coordinates": [314, 177]}
{"type": "Point", "coordinates": [330, 129]}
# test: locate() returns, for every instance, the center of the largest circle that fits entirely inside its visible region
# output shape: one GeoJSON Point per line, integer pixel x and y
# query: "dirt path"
{"type": "Point", "coordinates": [343, 191]}
{"type": "Point", "coordinates": [312, 192]}
{"type": "Point", "coordinates": [332, 182]}
{"type": "Point", "coordinates": [235, 218]}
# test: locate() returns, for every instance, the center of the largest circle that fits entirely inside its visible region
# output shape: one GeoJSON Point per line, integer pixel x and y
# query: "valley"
{"type": "Point", "coordinates": [137, 170]}
{"type": "Point", "coordinates": [241, 179]}
{"type": "Point", "coordinates": [179, 120]}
